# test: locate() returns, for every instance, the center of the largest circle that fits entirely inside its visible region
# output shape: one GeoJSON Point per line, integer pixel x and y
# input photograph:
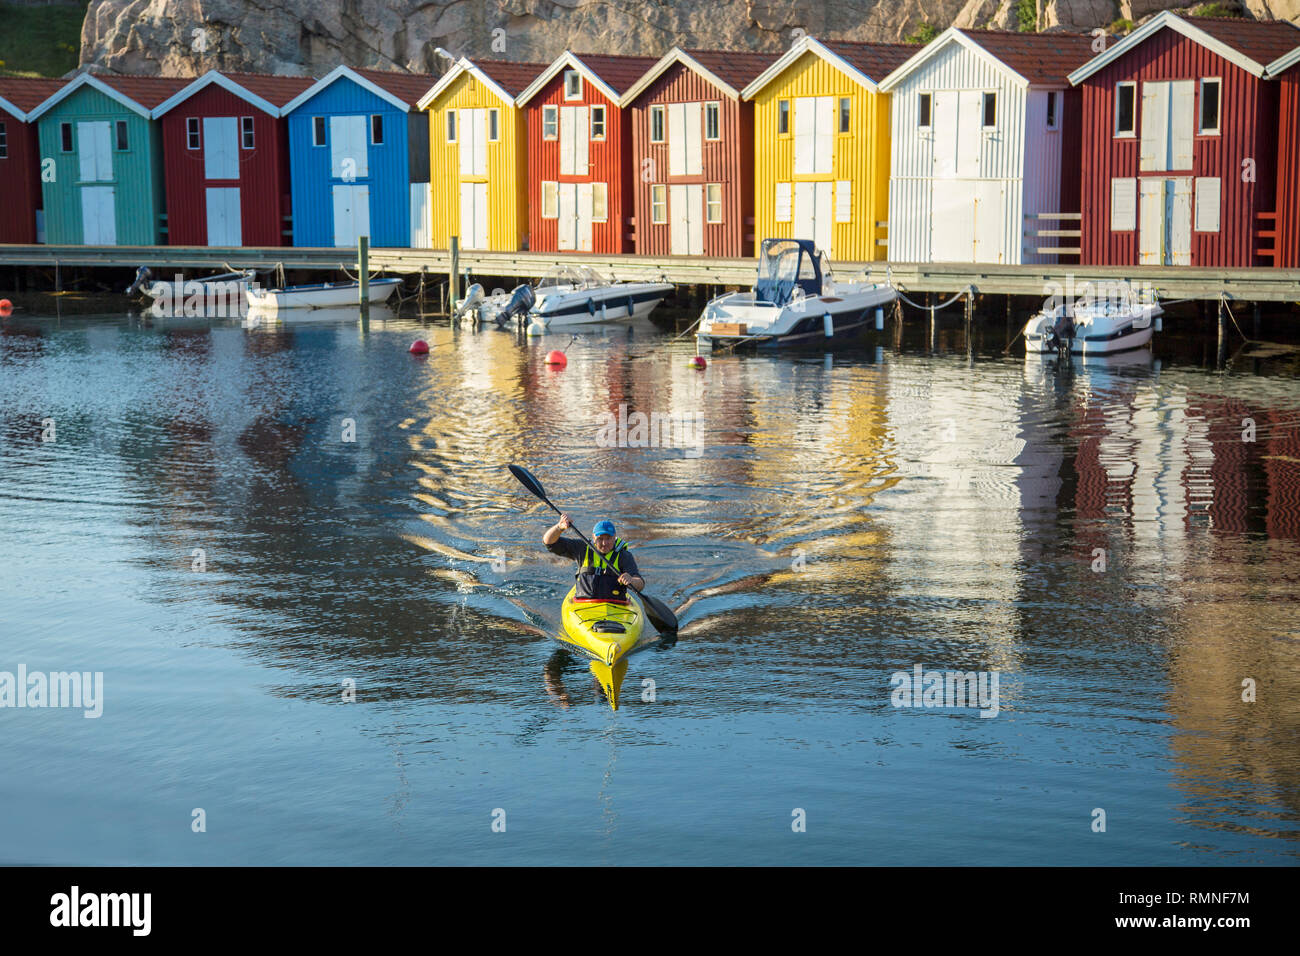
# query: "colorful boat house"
{"type": "Point", "coordinates": [226, 160]}
{"type": "Point", "coordinates": [359, 159]}
{"type": "Point", "coordinates": [1284, 250]}
{"type": "Point", "coordinates": [984, 147]}
{"type": "Point", "coordinates": [580, 162]}
{"type": "Point", "coordinates": [821, 146]}
{"type": "Point", "coordinates": [1180, 143]}
{"type": "Point", "coordinates": [104, 186]}
{"type": "Point", "coordinates": [21, 215]}
{"type": "Point", "coordinates": [693, 152]}
{"type": "Point", "coordinates": [477, 154]}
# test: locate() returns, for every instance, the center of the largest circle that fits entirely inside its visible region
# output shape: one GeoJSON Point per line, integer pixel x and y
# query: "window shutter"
{"type": "Point", "coordinates": [1123, 205]}
{"type": "Point", "coordinates": [782, 202]}
{"type": "Point", "coordinates": [1208, 191]}
{"type": "Point", "coordinates": [843, 200]}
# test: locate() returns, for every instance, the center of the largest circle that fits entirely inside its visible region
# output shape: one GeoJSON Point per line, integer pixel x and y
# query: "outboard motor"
{"type": "Point", "coordinates": [521, 301]}
{"type": "Point", "coordinates": [473, 296]}
{"type": "Point", "coordinates": [142, 277]}
{"type": "Point", "coordinates": [1062, 333]}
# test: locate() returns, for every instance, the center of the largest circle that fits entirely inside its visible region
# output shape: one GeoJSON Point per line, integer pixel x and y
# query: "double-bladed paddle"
{"type": "Point", "coordinates": [660, 616]}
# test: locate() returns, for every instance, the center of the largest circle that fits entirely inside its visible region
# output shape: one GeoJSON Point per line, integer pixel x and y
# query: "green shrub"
{"type": "Point", "coordinates": [1027, 15]}
{"type": "Point", "coordinates": [924, 34]}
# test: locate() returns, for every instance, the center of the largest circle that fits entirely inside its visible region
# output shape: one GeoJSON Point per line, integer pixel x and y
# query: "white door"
{"type": "Point", "coordinates": [1182, 116]}
{"type": "Point", "coordinates": [686, 218]}
{"type": "Point", "coordinates": [814, 134]}
{"type": "Point", "coordinates": [351, 214]}
{"type": "Point", "coordinates": [1179, 216]}
{"type": "Point", "coordinates": [1154, 152]}
{"type": "Point", "coordinates": [685, 143]}
{"type": "Point", "coordinates": [98, 216]}
{"type": "Point", "coordinates": [952, 227]}
{"type": "Point", "coordinates": [567, 220]}
{"type": "Point", "coordinates": [473, 142]}
{"type": "Point", "coordinates": [970, 136]}
{"type": "Point", "coordinates": [349, 150]}
{"type": "Point", "coordinates": [584, 217]}
{"type": "Point", "coordinates": [813, 209]}
{"type": "Point", "coordinates": [220, 148]}
{"type": "Point", "coordinates": [95, 152]}
{"type": "Point", "coordinates": [421, 227]}
{"type": "Point", "coordinates": [224, 227]}
{"type": "Point", "coordinates": [473, 216]}
{"type": "Point", "coordinates": [990, 210]}
{"type": "Point", "coordinates": [944, 121]}
{"type": "Point", "coordinates": [574, 138]}
{"type": "Point", "coordinates": [1151, 221]}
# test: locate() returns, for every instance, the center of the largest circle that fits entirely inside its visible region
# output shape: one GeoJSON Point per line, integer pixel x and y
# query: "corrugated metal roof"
{"type": "Point", "coordinates": [26, 92]}
{"type": "Point", "coordinates": [737, 70]}
{"type": "Point", "coordinates": [874, 60]}
{"type": "Point", "coordinates": [618, 72]}
{"type": "Point", "coordinates": [408, 87]}
{"type": "Point", "coordinates": [510, 76]}
{"type": "Point", "coordinates": [276, 90]}
{"type": "Point", "coordinates": [1038, 57]}
{"type": "Point", "coordinates": [1261, 40]}
{"type": "Point", "coordinates": [148, 91]}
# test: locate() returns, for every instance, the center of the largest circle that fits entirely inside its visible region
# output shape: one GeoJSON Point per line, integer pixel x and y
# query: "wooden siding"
{"type": "Point", "coordinates": [137, 173]}
{"type": "Point", "coordinates": [20, 172]}
{"type": "Point", "coordinates": [1288, 171]}
{"type": "Point", "coordinates": [727, 161]}
{"type": "Point", "coordinates": [1248, 124]}
{"type": "Point", "coordinates": [609, 161]}
{"type": "Point", "coordinates": [860, 156]}
{"type": "Point", "coordinates": [263, 181]}
{"type": "Point", "coordinates": [507, 168]}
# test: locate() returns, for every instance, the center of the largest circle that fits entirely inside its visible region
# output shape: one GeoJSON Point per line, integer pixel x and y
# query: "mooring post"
{"type": "Point", "coordinates": [1256, 332]}
{"type": "Point", "coordinates": [1223, 329]}
{"type": "Point", "coordinates": [363, 270]}
{"type": "Point", "coordinates": [453, 284]}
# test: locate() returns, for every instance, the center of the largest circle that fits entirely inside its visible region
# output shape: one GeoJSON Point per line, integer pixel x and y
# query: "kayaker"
{"type": "Point", "coordinates": [595, 579]}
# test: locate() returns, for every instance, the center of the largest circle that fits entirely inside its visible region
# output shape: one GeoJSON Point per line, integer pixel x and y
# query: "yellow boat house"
{"type": "Point", "coordinates": [478, 155]}
{"type": "Point", "coordinates": [821, 146]}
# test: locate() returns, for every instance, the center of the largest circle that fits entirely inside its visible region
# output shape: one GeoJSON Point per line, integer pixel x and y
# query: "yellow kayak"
{"type": "Point", "coordinates": [602, 630]}
{"type": "Point", "coordinates": [610, 678]}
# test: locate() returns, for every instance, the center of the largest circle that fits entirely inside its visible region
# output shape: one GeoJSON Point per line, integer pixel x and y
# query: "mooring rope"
{"type": "Point", "coordinates": [935, 308]}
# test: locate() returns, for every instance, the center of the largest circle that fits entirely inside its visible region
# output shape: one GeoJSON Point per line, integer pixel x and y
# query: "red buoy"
{"type": "Point", "coordinates": [6, 307]}
{"type": "Point", "coordinates": [419, 347]}
{"type": "Point", "coordinates": [698, 362]}
{"type": "Point", "coordinates": [556, 357]}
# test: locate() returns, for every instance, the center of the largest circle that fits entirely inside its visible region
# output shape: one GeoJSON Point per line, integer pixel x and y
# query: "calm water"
{"type": "Point", "coordinates": [841, 519]}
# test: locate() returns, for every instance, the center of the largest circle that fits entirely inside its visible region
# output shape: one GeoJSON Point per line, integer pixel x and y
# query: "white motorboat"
{"type": "Point", "coordinates": [795, 301]}
{"type": "Point", "coordinates": [217, 296]}
{"type": "Point", "coordinates": [568, 295]}
{"type": "Point", "coordinates": [1097, 325]}
{"type": "Point", "coordinates": [326, 295]}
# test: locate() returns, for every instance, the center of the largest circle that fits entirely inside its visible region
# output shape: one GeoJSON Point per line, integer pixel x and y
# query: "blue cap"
{"type": "Point", "coordinates": [603, 527]}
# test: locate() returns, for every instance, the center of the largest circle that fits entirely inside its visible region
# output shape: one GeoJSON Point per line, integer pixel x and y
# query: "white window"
{"type": "Point", "coordinates": [1211, 88]}
{"type": "Point", "coordinates": [846, 107]}
{"type": "Point", "coordinates": [599, 202]}
{"type": "Point", "coordinates": [1125, 109]}
{"type": "Point", "coordinates": [246, 132]}
{"type": "Point", "coordinates": [550, 200]}
{"type": "Point", "coordinates": [192, 140]}
{"type": "Point", "coordinates": [713, 121]}
{"type": "Point", "coordinates": [1053, 109]}
{"type": "Point", "coordinates": [783, 202]}
{"type": "Point", "coordinates": [572, 85]}
{"type": "Point", "coordinates": [451, 126]}
{"type": "Point", "coordinates": [782, 117]}
{"type": "Point", "coordinates": [122, 144]}
{"type": "Point", "coordinates": [598, 122]}
{"type": "Point", "coordinates": [1123, 205]}
{"type": "Point", "coordinates": [658, 205]}
{"type": "Point", "coordinates": [65, 137]}
{"type": "Point", "coordinates": [925, 111]}
{"type": "Point", "coordinates": [318, 131]}
{"type": "Point", "coordinates": [990, 114]}
{"type": "Point", "coordinates": [843, 200]}
{"type": "Point", "coordinates": [550, 122]}
{"type": "Point", "coordinates": [1208, 191]}
{"type": "Point", "coordinates": [656, 124]}
{"type": "Point", "coordinates": [713, 202]}
{"type": "Point", "coordinates": [494, 125]}
{"type": "Point", "coordinates": [376, 130]}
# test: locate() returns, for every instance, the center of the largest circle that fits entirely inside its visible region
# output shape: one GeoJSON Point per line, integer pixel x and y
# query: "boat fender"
{"type": "Point", "coordinates": [631, 307]}
{"type": "Point", "coordinates": [591, 306]}
{"type": "Point", "coordinates": [1159, 324]}
{"type": "Point", "coordinates": [828, 324]}
{"type": "Point", "coordinates": [880, 319]}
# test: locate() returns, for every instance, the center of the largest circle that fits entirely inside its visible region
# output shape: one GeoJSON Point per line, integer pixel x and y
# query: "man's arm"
{"type": "Point", "coordinates": [631, 576]}
{"type": "Point", "coordinates": [553, 533]}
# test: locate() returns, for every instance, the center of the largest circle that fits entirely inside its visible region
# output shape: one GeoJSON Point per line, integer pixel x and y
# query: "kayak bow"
{"type": "Point", "coordinates": [602, 630]}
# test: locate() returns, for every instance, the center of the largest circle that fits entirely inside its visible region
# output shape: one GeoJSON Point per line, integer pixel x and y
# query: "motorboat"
{"type": "Point", "coordinates": [326, 295]}
{"type": "Point", "coordinates": [567, 295]}
{"type": "Point", "coordinates": [1100, 324]}
{"type": "Point", "coordinates": [223, 295]}
{"type": "Point", "coordinates": [795, 301]}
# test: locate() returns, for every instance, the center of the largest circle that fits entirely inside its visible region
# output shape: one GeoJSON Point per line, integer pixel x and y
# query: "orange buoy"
{"type": "Point", "coordinates": [698, 362]}
{"type": "Point", "coordinates": [419, 347]}
{"type": "Point", "coordinates": [556, 357]}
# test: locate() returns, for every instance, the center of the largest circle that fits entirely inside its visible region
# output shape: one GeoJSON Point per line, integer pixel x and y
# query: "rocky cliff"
{"type": "Point", "coordinates": [187, 37]}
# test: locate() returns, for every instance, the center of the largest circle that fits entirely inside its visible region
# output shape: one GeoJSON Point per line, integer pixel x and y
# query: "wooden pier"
{"type": "Point", "coordinates": [1169, 282]}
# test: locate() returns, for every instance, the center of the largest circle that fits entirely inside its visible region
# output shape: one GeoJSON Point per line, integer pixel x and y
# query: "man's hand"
{"type": "Point", "coordinates": [564, 523]}
{"type": "Point", "coordinates": [631, 580]}
{"type": "Point", "coordinates": [553, 533]}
